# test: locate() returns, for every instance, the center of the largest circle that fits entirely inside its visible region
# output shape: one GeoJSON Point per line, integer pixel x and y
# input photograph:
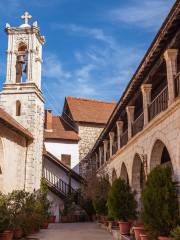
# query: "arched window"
{"type": "Point", "coordinates": [21, 63]}
{"type": "Point", "coordinates": [18, 108]}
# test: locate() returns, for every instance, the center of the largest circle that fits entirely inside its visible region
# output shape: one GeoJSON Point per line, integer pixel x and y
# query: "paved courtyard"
{"type": "Point", "coordinates": [74, 231]}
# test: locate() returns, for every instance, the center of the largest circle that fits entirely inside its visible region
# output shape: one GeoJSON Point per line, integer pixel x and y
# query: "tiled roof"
{"type": "Point", "coordinates": [52, 158]}
{"type": "Point", "coordinates": [6, 119]}
{"type": "Point", "coordinates": [89, 110]}
{"type": "Point", "coordinates": [61, 130]}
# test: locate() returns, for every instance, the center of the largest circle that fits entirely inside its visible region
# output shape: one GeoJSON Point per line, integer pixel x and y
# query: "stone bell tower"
{"type": "Point", "coordinates": [21, 96]}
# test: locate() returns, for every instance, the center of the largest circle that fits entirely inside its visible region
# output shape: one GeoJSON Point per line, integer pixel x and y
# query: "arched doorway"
{"type": "Point", "coordinates": [160, 155]}
{"type": "Point", "coordinates": [124, 173]}
{"type": "Point", "coordinates": [138, 179]}
{"type": "Point", "coordinates": [114, 175]}
{"type": "Point", "coordinates": [1, 165]}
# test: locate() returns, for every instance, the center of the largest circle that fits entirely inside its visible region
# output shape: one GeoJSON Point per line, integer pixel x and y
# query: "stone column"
{"type": "Point", "coordinates": [105, 143]}
{"type": "Point", "coordinates": [170, 56]}
{"type": "Point", "coordinates": [146, 92]}
{"type": "Point", "coordinates": [119, 125]}
{"type": "Point", "coordinates": [130, 116]}
{"type": "Point", "coordinates": [111, 138]}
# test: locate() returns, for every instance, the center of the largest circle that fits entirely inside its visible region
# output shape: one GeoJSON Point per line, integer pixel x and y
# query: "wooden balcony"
{"type": "Point", "coordinates": [177, 85]}
{"type": "Point", "coordinates": [124, 138]}
{"type": "Point", "coordinates": [138, 124]}
{"type": "Point", "coordinates": [159, 104]}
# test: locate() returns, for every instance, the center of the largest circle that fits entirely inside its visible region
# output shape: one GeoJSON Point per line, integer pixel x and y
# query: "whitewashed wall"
{"type": "Point", "coordinates": [58, 147]}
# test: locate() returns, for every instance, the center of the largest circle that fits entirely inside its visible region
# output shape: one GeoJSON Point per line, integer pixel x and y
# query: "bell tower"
{"type": "Point", "coordinates": [21, 96]}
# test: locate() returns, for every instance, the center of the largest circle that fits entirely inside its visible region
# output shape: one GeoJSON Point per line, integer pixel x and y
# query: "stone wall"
{"type": "Point", "coordinates": [12, 160]}
{"type": "Point", "coordinates": [88, 134]}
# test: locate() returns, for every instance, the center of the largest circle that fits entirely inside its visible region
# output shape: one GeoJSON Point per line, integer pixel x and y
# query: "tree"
{"type": "Point", "coordinates": [161, 213]}
{"type": "Point", "coordinates": [99, 194]}
{"type": "Point", "coordinates": [121, 202]}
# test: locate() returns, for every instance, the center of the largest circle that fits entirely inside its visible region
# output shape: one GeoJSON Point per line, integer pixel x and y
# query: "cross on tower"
{"type": "Point", "coordinates": [26, 17]}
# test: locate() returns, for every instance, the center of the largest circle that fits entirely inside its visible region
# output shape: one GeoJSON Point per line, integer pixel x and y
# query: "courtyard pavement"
{"type": "Point", "coordinates": [73, 231]}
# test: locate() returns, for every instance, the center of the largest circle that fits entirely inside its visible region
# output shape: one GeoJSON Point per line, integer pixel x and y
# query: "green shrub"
{"type": "Point", "coordinates": [121, 202]}
{"type": "Point", "coordinates": [175, 233]}
{"type": "Point", "coordinates": [100, 194]}
{"type": "Point", "coordinates": [161, 213]}
{"type": "Point", "coordinates": [4, 214]}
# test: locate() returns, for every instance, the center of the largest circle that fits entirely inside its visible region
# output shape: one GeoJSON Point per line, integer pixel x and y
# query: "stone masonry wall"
{"type": "Point", "coordinates": [88, 134]}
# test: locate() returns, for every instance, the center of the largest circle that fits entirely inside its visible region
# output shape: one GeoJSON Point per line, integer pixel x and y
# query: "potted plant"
{"type": "Point", "coordinates": [175, 233]}
{"type": "Point", "coordinates": [122, 205]}
{"type": "Point", "coordinates": [5, 233]}
{"type": "Point", "coordinates": [160, 203]}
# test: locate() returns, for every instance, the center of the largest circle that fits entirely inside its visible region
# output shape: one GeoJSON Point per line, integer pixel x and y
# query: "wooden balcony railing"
{"type": "Point", "coordinates": [57, 183]}
{"type": "Point", "coordinates": [177, 85]}
{"type": "Point", "coordinates": [159, 104]}
{"type": "Point", "coordinates": [138, 124]}
{"type": "Point", "coordinates": [114, 147]}
{"type": "Point", "coordinates": [124, 138]}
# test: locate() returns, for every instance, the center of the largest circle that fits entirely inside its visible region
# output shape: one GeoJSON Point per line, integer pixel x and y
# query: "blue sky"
{"type": "Point", "coordinates": [92, 46]}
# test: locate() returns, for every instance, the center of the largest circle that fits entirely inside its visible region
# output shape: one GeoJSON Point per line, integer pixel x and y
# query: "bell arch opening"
{"type": "Point", "coordinates": [21, 63]}
{"type": "Point", "coordinates": [124, 173]}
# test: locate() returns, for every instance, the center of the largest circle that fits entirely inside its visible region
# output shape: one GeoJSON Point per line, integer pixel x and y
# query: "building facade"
{"type": "Point", "coordinates": [144, 129]}
{"type": "Point", "coordinates": [21, 96]}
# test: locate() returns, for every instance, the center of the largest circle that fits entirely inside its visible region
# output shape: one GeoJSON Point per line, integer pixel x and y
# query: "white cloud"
{"type": "Point", "coordinates": [147, 14]}
{"type": "Point", "coordinates": [52, 67]}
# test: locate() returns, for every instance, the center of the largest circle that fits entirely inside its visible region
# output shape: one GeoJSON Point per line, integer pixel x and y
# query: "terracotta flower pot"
{"type": "Point", "coordinates": [64, 219]}
{"type": "Point", "coordinates": [137, 231]}
{"type": "Point", "coordinates": [3, 236]}
{"type": "Point", "coordinates": [144, 237]}
{"type": "Point", "coordinates": [52, 219]}
{"type": "Point", "coordinates": [45, 225]}
{"type": "Point", "coordinates": [10, 234]}
{"type": "Point", "coordinates": [164, 238]}
{"type": "Point", "coordinates": [124, 228]}
{"type": "Point", "coordinates": [18, 233]}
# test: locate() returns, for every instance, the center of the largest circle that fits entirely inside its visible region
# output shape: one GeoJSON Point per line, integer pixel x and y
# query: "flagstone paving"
{"type": "Point", "coordinates": [73, 231]}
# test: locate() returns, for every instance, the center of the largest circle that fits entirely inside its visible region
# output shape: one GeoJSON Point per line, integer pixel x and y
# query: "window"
{"type": "Point", "coordinates": [66, 159]}
{"type": "Point", "coordinates": [18, 108]}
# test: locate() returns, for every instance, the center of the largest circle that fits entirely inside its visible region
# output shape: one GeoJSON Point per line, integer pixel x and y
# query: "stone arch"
{"type": "Point", "coordinates": [160, 155]}
{"type": "Point", "coordinates": [1, 164]}
{"type": "Point", "coordinates": [138, 178]}
{"type": "Point", "coordinates": [21, 62]}
{"type": "Point", "coordinates": [124, 173]}
{"type": "Point", "coordinates": [114, 175]}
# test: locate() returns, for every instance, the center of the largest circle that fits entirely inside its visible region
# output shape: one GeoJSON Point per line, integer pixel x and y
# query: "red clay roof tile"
{"type": "Point", "coordinates": [89, 110]}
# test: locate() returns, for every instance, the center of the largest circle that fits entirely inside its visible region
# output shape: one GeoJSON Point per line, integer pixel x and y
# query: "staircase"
{"type": "Point", "coordinates": [57, 185]}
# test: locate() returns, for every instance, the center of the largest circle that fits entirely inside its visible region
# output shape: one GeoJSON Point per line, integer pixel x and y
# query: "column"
{"type": "Point", "coordinates": [170, 56]}
{"type": "Point", "coordinates": [119, 125]}
{"type": "Point", "coordinates": [146, 92]}
{"type": "Point", "coordinates": [130, 116]}
{"type": "Point", "coordinates": [111, 138]}
{"type": "Point", "coordinates": [105, 143]}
